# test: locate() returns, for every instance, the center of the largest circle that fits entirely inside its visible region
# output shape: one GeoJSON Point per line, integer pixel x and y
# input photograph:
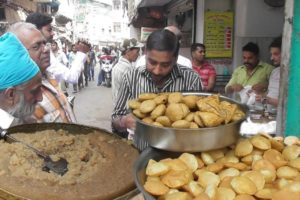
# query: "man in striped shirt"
{"type": "Point", "coordinates": [161, 74]}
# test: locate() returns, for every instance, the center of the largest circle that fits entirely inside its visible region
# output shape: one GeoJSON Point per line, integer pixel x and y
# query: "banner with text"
{"type": "Point", "coordinates": [218, 34]}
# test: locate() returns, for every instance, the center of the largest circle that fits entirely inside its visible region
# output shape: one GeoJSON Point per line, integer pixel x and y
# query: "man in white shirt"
{"type": "Point", "coordinates": [57, 70]}
{"type": "Point", "coordinates": [20, 82]}
{"type": "Point", "coordinates": [59, 54]}
{"type": "Point", "coordinates": [130, 52]}
{"type": "Point", "coordinates": [62, 58]}
{"type": "Point", "coordinates": [181, 60]}
{"type": "Point", "coordinates": [273, 87]}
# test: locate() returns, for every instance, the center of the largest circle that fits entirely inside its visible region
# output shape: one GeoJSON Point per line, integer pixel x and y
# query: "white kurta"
{"type": "Point", "coordinates": [6, 119]}
{"type": "Point", "coordinates": [60, 72]}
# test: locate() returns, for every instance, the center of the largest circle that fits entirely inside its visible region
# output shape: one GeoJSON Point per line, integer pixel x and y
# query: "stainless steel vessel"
{"type": "Point", "coordinates": [141, 164]}
{"type": "Point", "coordinates": [189, 140]}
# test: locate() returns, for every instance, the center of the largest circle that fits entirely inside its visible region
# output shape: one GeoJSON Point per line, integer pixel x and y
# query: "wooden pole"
{"type": "Point", "coordinates": [285, 67]}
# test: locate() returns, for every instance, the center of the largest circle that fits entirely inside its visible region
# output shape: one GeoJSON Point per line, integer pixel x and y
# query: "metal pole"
{"type": "Point", "coordinates": [293, 102]}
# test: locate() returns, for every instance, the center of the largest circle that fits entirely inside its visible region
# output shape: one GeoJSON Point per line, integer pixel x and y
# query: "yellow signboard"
{"type": "Point", "coordinates": [218, 34]}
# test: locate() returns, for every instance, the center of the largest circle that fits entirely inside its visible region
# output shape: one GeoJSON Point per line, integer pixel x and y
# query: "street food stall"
{"type": "Point", "coordinates": [190, 148]}
{"type": "Point", "coordinates": [210, 160]}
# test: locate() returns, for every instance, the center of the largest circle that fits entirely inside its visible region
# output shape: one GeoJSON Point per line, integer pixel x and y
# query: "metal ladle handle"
{"type": "Point", "coordinates": [60, 167]}
{"type": "Point", "coordinates": [4, 135]}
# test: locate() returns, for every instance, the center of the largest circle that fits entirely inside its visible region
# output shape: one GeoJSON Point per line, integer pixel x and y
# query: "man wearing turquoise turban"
{"type": "Point", "coordinates": [55, 106]}
{"type": "Point", "coordinates": [20, 82]}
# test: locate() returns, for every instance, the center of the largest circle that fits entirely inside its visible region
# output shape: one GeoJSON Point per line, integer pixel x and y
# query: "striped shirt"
{"type": "Point", "coordinates": [118, 72]}
{"type": "Point", "coordinates": [205, 72]}
{"type": "Point", "coordinates": [138, 81]}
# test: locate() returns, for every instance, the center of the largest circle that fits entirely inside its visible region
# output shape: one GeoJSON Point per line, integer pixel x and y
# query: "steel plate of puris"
{"type": "Point", "coordinates": [186, 121]}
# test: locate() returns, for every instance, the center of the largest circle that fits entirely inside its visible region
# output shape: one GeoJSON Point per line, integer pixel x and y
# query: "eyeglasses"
{"type": "Point", "coordinates": [43, 45]}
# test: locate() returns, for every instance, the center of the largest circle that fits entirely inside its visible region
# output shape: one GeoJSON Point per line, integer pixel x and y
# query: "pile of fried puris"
{"type": "Point", "coordinates": [184, 111]}
{"type": "Point", "coordinates": [260, 167]}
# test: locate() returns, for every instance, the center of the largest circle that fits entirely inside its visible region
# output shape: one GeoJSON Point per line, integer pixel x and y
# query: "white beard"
{"type": "Point", "coordinates": [22, 108]}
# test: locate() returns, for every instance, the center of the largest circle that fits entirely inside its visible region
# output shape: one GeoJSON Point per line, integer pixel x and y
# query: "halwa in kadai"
{"type": "Point", "coordinates": [179, 111]}
{"type": "Point", "coordinates": [95, 166]}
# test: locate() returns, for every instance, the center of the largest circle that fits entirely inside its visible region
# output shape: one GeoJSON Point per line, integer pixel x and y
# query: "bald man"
{"type": "Point", "coordinates": [20, 82]}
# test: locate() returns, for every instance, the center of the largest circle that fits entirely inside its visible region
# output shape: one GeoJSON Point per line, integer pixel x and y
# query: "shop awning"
{"type": "Point", "coordinates": [61, 19]}
{"type": "Point", "coordinates": [152, 3]}
{"type": "Point", "coordinates": [149, 13]}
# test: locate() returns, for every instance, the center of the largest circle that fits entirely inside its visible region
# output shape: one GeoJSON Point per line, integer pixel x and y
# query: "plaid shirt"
{"type": "Point", "coordinates": [54, 107]}
{"type": "Point", "coordinates": [205, 71]}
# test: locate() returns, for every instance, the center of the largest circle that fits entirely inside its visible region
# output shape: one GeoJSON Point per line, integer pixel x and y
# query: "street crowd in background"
{"type": "Point", "coordinates": [133, 68]}
{"type": "Point", "coordinates": [94, 57]}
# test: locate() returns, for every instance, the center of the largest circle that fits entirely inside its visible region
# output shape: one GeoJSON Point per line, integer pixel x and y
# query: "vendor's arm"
{"type": "Point", "coordinates": [260, 88]}
{"type": "Point", "coordinates": [272, 101]}
{"type": "Point", "coordinates": [124, 122]}
{"type": "Point", "coordinates": [233, 88]}
{"type": "Point", "coordinates": [211, 81]}
{"type": "Point", "coordinates": [121, 119]}
{"type": "Point", "coordinates": [233, 85]}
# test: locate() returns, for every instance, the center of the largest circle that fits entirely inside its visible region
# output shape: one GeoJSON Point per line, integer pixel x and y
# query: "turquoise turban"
{"type": "Point", "coordinates": [16, 66]}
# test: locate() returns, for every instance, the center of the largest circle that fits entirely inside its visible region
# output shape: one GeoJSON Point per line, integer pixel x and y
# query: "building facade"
{"type": "Point", "coordinates": [12, 11]}
{"type": "Point", "coordinates": [103, 22]}
{"type": "Point", "coordinates": [223, 26]}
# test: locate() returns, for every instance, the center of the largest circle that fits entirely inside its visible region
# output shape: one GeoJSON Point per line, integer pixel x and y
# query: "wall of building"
{"type": "Point", "coordinates": [186, 8]}
{"type": "Point", "coordinates": [102, 22]}
{"type": "Point", "coordinates": [259, 27]}
{"type": "Point", "coordinates": [201, 7]}
{"type": "Point", "coordinates": [212, 5]}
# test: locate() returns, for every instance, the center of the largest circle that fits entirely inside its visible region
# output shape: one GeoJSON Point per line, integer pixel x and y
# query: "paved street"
{"type": "Point", "coordinates": [93, 104]}
{"type": "Point", "coordinates": [93, 107]}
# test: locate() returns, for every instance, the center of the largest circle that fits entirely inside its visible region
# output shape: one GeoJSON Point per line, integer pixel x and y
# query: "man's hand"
{"type": "Point", "coordinates": [129, 121]}
{"type": "Point", "coordinates": [258, 98]}
{"type": "Point", "coordinates": [259, 88]}
{"type": "Point", "coordinates": [235, 88]}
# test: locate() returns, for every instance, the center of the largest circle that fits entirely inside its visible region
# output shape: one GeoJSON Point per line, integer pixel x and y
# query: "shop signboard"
{"type": "Point", "coordinates": [145, 32]}
{"type": "Point", "coordinates": [218, 34]}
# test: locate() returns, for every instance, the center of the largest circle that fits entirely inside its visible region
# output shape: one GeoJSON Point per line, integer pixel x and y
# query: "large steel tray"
{"type": "Point", "coordinates": [189, 140]}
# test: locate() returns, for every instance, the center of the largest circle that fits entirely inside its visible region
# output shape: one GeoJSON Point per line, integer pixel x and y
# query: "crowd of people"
{"type": "Point", "coordinates": [35, 72]}
{"type": "Point", "coordinates": [162, 69]}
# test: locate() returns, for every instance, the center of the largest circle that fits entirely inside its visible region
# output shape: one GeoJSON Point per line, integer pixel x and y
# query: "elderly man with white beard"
{"type": "Point", "coordinates": [20, 82]}
{"type": "Point", "coordinates": [55, 106]}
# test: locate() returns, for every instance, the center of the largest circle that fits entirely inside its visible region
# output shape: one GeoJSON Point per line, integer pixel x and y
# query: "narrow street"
{"type": "Point", "coordinates": [93, 105]}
